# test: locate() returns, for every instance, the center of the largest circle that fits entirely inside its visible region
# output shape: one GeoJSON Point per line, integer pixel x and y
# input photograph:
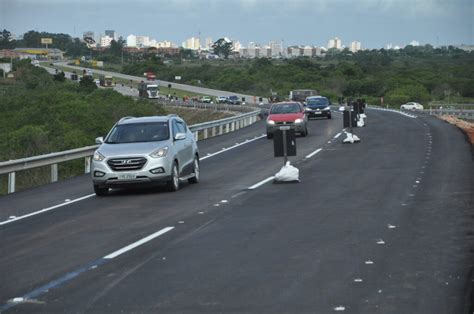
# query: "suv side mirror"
{"type": "Point", "coordinates": [180, 136]}
{"type": "Point", "coordinates": [99, 140]}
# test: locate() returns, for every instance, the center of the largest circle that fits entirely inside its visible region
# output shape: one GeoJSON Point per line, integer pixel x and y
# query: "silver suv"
{"type": "Point", "coordinates": [145, 150]}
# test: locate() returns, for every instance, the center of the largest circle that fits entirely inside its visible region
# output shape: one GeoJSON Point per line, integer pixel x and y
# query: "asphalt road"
{"type": "Point", "coordinates": [383, 226]}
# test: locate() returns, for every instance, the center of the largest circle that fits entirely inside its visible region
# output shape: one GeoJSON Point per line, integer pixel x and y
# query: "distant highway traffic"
{"type": "Point", "coordinates": [250, 99]}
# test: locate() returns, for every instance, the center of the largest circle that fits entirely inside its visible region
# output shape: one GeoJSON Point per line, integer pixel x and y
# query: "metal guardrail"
{"type": "Point", "coordinates": [461, 113]}
{"type": "Point", "coordinates": [200, 131]}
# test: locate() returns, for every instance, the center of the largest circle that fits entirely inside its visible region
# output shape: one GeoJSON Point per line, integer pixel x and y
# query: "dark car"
{"type": "Point", "coordinates": [318, 106]}
{"type": "Point", "coordinates": [233, 100]}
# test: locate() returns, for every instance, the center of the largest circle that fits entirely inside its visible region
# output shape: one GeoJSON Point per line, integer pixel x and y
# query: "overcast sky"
{"type": "Point", "coordinates": [297, 22]}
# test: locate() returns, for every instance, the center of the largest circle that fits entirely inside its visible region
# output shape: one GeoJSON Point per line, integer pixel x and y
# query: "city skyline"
{"type": "Point", "coordinates": [305, 22]}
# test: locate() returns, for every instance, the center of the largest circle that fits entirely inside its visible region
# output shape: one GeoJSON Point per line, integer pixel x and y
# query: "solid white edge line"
{"type": "Point", "coordinates": [253, 187]}
{"type": "Point", "coordinates": [313, 153]}
{"type": "Point", "coordinates": [232, 147]}
{"type": "Point", "coordinates": [337, 135]}
{"type": "Point", "coordinates": [138, 243]}
{"type": "Point", "coordinates": [45, 210]}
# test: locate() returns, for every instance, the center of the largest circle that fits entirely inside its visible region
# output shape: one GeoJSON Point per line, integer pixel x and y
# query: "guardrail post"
{"type": "Point", "coordinates": [227, 128]}
{"type": "Point", "coordinates": [196, 136]}
{"type": "Point", "coordinates": [87, 164]}
{"type": "Point", "coordinates": [205, 133]}
{"type": "Point", "coordinates": [232, 126]}
{"type": "Point", "coordinates": [221, 127]}
{"type": "Point", "coordinates": [213, 131]}
{"type": "Point", "coordinates": [54, 172]}
{"type": "Point", "coordinates": [11, 182]}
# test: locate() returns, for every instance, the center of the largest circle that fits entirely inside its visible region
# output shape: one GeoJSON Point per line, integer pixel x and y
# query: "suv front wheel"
{"type": "Point", "coordinates": [100, 191]}
{"type": "Point", "coordinates": [173, 184]}
{"type": "Point", "coordinates": [195, 179]}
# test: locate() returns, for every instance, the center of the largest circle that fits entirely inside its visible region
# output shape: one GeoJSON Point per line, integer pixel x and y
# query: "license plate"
{"type": "Point", "coordinates": [317, 112]}
{"type": "Point", "coordinates": [127, 176]}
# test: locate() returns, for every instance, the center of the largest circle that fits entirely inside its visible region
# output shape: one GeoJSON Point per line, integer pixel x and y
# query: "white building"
{"type": "Point", "coordinates": [111, 33]}
{"type": "Point", "coordinates": [192, 43]}
{"type": "Point", "coordinates": [335, 43]}
{"type": "Point", "coordinates": [294, 52]}
{"type": "Point", "coordinates": [143, 41]}
{"type": "Point", "coordinates": [308, 51]}
{"type": "Point", "coordinates": [355, 46]}
{"type": "Point", "coordinates": [208, 44]}
{"type": "Point", "coordinates": [105, 41]}
{"type": "Point", "coordinates": [265, 52]}
{"type": "Point", "coordinates": [236, 45]}
{"type": "Point", "coordinates": [165, 44]}
{"type": "Point", "coordinates": [318, 51]}
{"type": "Point", "coordinates": [277, 49]}
{"type": "Point", "coordinates": [131, 40]}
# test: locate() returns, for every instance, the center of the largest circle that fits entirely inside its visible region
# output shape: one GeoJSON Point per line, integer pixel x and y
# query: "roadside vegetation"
{"type": "Point", "coordinates": [421, 74]}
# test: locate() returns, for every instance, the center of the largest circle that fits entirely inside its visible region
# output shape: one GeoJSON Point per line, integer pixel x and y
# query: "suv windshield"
{"type": "Point", "coordinates": [138, 132]}
{"type": "Point", "coordinates": [317, 102]}
{"type": "Point", "coordinates": [285, 108]}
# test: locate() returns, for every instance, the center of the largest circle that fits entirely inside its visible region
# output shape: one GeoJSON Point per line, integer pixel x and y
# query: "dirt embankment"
{"type": "Point", "coordinates": [467, 127]}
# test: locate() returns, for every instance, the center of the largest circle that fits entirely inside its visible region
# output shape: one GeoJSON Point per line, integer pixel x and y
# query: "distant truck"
{"type": "Point", "coordinates": [301, 94]}
{"type": "Point", "coordinates": [147, 90]}
{"type": "Point", "coordinates": [150, 76]}
{"type": "Point", "coordinates": [106, 80]}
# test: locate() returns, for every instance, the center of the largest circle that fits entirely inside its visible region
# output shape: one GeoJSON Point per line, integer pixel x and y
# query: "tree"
{"type": "Point", "coordinates": [6, 40]}
{"type": "Point", "coordinates": [222, 47]}
{"type": "Point", "coordinates": [87, 84]}
{"type": "Point", "coordinates": [116, 47]}
{"type": "Point", "coordinates": [59, 77]}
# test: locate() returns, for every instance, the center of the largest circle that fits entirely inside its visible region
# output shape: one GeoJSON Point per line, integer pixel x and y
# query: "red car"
{"type": "Point", "coordinates": [288, 113]}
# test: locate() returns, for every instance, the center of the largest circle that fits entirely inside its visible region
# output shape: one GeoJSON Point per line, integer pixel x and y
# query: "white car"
{"type": "Point", "coordinates": [411, 106]}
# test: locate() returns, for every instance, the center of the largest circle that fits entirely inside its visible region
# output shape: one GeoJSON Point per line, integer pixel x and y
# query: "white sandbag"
{"type": "Point", "coordinates": [287, 173]}
{"type": "Point", "coordinates": [363, 115]}
{"type": "Point", "coordinates": [360, 122]}
{"type": "Point", "coordinates": [351, 138]}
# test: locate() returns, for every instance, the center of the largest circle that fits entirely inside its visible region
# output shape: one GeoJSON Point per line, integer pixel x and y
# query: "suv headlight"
{"type": "Point", "coordinates": [98, 156]}
{"type": "Point", "coordinates": [327, 108]}
{"type": "Point", "coordinates": [271, 122]}
{"type": "Point", "coordinates": [160, 152]}
{"type": "Point", "coordinates": [299, 121]}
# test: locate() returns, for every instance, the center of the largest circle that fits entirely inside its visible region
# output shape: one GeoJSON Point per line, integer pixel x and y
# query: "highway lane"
{"type": "Point", "coordinates": [75, 226]}
{"type": "Point", "coordinates": [25, 202]}
{"type": "Point", "coordinates": [377, 227]}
